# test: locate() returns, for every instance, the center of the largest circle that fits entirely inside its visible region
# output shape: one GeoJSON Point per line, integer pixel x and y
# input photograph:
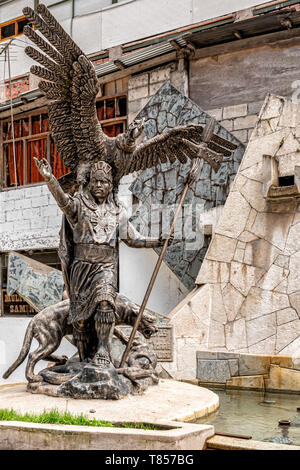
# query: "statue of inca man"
{"type": "Point", "coordinates": [93, 222]}
{"type": "Point", "coordinates": [93, 219]}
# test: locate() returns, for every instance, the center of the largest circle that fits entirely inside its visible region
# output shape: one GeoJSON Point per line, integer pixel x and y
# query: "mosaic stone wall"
{"type": "Point", "coordinates": [164, 184]}
{"type": "Point", "coordinates": [37, 283]}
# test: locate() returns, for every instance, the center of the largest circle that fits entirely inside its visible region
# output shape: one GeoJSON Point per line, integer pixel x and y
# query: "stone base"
{"type": "Point", "coordinates": [169, 400]}
{"type": "Point", "coordinates": [86, 380]}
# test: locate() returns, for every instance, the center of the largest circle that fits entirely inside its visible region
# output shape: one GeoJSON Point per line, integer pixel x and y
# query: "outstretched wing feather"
{"type": "Point", "coordinates": [223, 142]}
{"type": "Point", "coordinates": [216, 148]}
{"type": "Point", "coordinates": [44, 46]}
{"type": "Point", "coordinates": [166, 147]}
{"type": "Point", "coordinates": [72, 83]}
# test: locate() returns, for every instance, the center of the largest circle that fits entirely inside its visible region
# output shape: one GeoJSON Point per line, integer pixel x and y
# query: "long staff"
{"type": "Point", "coordinates": [202, 152]}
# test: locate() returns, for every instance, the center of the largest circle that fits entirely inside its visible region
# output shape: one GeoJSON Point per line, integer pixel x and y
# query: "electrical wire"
{"type": "Point", "coordinates": [12, 118]}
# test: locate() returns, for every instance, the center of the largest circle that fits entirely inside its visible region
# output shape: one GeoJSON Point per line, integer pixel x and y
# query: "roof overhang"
{"type": "Point", "coordinates": [279, 21]}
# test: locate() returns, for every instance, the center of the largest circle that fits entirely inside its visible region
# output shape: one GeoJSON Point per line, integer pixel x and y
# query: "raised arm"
{"type": "Point", "coordinates": [64, 201]}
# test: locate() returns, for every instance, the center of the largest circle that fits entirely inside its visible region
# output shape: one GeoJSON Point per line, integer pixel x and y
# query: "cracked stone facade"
{"type": "Point", "coordinates": [248, 299]}
{"type": "Point", "coordinates": [163, 185]}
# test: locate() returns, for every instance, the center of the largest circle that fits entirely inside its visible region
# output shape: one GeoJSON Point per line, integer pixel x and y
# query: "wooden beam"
{"type": "Point", "coordinates": [175, 44]}
{"type": "Point", "coordinates": [119, 64]}
{"type": "Point", "coordinates": [23, 108]}
{"type": "Point", "coordinates": [280, 39]}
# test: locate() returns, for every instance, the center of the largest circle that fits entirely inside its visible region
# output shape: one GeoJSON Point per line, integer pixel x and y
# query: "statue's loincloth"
{"type": "Point", "coordinates": [93, 278]}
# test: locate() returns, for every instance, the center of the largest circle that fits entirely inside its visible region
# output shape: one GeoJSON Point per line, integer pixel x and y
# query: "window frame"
{"type": "Point", "coordinates": [16, 34]}
{"type": "Point", "coordinates": [117, 119]}
{"type": "Point", "coordinates": [28, 138]}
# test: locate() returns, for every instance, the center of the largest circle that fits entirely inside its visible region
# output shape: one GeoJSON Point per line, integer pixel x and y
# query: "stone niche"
{"type": "Point", "coordinates": [247, 299]}
{"type": "Point", "coordinates": [281, 188]}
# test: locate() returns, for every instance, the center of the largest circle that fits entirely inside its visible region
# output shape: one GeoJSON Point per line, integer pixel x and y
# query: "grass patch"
{"type": "Point", "coordinates": [56, 417]}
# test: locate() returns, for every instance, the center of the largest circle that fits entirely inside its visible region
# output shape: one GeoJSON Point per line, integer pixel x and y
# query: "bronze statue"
{"type": "Point", "coordinates": [50, 325]}
{"type": "Point", "coordinates": [94, 220]}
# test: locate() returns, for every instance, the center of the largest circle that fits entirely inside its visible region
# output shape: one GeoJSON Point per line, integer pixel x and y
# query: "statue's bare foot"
{"type": "Point", "coordinates": [102, 359]}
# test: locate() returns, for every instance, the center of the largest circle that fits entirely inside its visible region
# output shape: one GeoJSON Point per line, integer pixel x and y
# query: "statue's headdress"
{"type": "Point", "coordinates": [102, 169]}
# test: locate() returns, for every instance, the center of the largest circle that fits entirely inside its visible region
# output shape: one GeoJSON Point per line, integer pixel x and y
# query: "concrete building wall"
{"type": "Point", "coordinates": [141, 18]}
{"type": "Point", "coordinates": [246, 76]}
{"type": "Point", "coordinates": [95, 29]}
{"type": "Point", "coordinates": [30, 219]}
{"type": "Point", "coordinates": [12, 330]}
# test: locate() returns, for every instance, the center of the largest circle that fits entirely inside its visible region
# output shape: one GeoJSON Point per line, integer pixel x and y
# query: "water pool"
{"type": "Point", "coordinates": [257, 414]}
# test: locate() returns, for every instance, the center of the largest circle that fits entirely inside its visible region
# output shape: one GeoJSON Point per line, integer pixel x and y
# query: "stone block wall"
{"type": "Point", "coordinates": [29, 219]}
{"type": "Point", "coordinates": [239, 119]}
{"type": "Point", "coordinates": [143, 86]}
{"type": "Point", "coordinates": [248, 371]}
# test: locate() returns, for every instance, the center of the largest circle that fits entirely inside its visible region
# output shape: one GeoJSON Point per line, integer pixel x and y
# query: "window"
{"type": "Point", "coordinates": [112, 113]}
{"type": "Point", "coordinates": [286, 180]}
{"type": "Point", "coordinates": [32, 139]}
{"type": "Point", "coordinates": [12, 28]}
{"type": "Point", "coordinates": [112, 107]}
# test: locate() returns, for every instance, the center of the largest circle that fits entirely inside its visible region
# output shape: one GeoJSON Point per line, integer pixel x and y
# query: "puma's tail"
{"type": "Point", "coordinates": [23, 353]}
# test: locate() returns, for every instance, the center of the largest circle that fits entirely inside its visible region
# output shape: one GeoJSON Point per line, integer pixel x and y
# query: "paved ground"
{"type": "Point", "coordinates": [170, 400]}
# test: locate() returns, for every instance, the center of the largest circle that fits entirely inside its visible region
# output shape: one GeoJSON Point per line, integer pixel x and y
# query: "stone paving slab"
{"type": "Point", "coordinates": [170, 400]}
{"type": "Point", "coordinates": [232, 443]}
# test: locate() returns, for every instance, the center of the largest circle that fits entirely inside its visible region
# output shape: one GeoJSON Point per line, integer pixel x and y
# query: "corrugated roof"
{"type": "Point", "coordinates": [137, 57]}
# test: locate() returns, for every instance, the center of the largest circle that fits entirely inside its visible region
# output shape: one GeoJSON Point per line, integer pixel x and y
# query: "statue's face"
{"type": "Point", "coordinates": [100, 187]}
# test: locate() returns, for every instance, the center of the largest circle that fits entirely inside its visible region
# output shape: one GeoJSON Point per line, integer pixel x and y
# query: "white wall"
{"type": "Point", "coordinates": [136, 268]}
{"type": "Point", "coordinates": [31, 219]}
{"type": "Point", "coordinates": [12, 331]}
{"type": "Point", "coordinates": [13, 9]}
